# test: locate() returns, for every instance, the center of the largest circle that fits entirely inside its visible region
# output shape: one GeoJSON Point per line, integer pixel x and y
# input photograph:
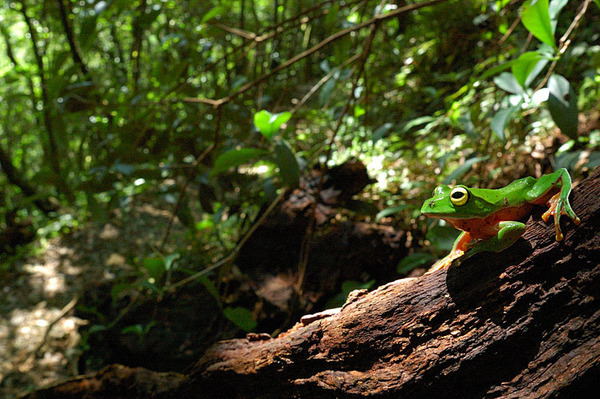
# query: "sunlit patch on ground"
{"type": "Point", "coordinates": [31, 354]}
{"type": "Point", "coordinates": [35, 352]}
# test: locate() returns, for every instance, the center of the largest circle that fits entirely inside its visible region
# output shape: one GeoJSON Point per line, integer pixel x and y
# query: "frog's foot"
{"type": "Point", "coordinates": [446, 261]}
{"type": "Point", "coordinates": [558, 206]}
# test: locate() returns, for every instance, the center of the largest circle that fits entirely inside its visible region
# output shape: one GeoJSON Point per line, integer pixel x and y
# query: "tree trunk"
{"type": "Point", "coordinates": [521, 323]}
{"type": "Point", "coordinates": [15, 177]}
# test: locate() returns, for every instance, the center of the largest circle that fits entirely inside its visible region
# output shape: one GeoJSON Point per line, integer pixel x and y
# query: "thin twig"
{"type": "Point", "coordinates": [510, 30]}
{"type": "Point", "coordinates": [323, 80]}
{"type": "Point", "coordinates": [564, 42]}
{"type": "Point", "coordinates": [68, 307]}
{"type": "Point", "coordinates": [234, 253]}
{"type": "Point", "coordinates": [305, 248]}
{"type": "Point", "coordinates": [260, 38]}
{"type": "Point", "coordinates": [338, 35]}
{"type": "Point", "coordinates": [182, 194]}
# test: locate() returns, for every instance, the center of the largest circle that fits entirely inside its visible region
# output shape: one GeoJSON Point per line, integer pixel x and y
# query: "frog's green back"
{"type": "Point", "coordinates": [514, 194]}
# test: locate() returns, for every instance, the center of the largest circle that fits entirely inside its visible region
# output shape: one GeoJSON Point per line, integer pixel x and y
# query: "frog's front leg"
{"type": "Point", "coordinates": [508, 233]}
{"type": "Point", "coordinates": [458, 249]}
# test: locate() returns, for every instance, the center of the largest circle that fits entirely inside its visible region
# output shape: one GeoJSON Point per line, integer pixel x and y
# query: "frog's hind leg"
{"type": "Point", "coordinates": [509, 232]}
{"type": "Point", "coordinates": [558, 205]}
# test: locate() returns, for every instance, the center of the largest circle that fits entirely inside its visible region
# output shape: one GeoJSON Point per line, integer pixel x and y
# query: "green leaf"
{"type": "Point", "coordinates": [416, 122]}
{"type": "Point", "coordinates": [241, 317]}
{"type": "Point", "coordinates": [498, 124]}
{"type": "Point", "coordinates": [347, 287]}
{"type": "Point", "coordinates": [555, 7]}
{"type": "Point", "coordinates": [442, 237]}
{"type": "Point", "coordinates": [524, 65]}
{"type": "Point", "coordinates": [213, 13]}
{"type": "Point", "coordinates": [117, 290]}
{"type": "Point", "coordinates": [392, 210]}
{"type": "Point", "coordinates": [539, 67]}
{"type": "Point", "coordinates": [235, 157]}
{"type": "Point", "coordinates": [536, 19]}
{"type": "Point", "coordinates": [462, 169]}
{"type": "Point", "coordinates": [507, 82]}
{"type": "Point", "coordinates": [288, 165]}
{"type": "Point", "coordinates": [494, 70]}
{"type": "Point", "coordinates": [154, 266]}
{"type": "Point", "coordinates": [97, 328]}
{"type": "Point", "coordinates": [268, 124]}
{"type": "Point", "coordinates": [562, 104]}
{"type": "Point", "coordinates": [325, 92]}
{"type": "Point", "coordinates": [87, 31]}
{"type": "Point", "coordinates": [137, 329]}
{"type": "Point", "coordinates": [464, 120]}
{"type": "Point", "coordinates": [210, 287]}
{"type": "Point", "coordinates": [381, 131]}
{"type": "Point", "coordinates": [124, 168]}
{"type": "Point", "coordinates": [170, 260]}
{"type": "Point", "coordinates": [359, 111]}
{"type": "Point", "coordinates": [413, 261]}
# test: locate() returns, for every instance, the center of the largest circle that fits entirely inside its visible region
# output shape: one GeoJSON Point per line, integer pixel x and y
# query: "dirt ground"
{"type": "Point", "coordinates": [39, 339]}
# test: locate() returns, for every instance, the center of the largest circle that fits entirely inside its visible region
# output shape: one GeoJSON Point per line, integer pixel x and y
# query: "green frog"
{"type": "Point", "coordinates": [489, 218]}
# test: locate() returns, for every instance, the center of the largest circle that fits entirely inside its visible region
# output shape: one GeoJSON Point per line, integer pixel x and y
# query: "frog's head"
{"type": "Point", "coordinates": [456, 202]}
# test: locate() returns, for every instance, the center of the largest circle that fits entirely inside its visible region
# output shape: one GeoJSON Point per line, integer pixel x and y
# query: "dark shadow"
{"type": "Point", "coordinates": [474, 284]}
{"type": "Point", "coordinates": [478, 285]}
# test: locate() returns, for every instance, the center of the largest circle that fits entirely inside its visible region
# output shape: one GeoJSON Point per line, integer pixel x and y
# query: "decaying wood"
{"type": "Point", "coordinates": [521, 323]}
{"type": "Point", "coordinates": [115, 382]}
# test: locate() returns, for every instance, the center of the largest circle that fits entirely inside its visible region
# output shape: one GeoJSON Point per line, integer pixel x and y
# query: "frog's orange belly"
{"type": "Point", "coordinates": [482, 228]}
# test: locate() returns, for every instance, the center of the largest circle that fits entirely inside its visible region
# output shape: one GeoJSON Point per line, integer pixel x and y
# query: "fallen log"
{"type": "Point", "coordinates": [521, 323]}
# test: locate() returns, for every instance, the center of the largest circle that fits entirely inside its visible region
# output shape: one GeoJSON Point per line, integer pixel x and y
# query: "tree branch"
{"type": "Point", "coordinates": [69, 33]}
{"type": "Point", "coordinates": [336, 36]}
{"type": "Point", "coordinates": [53, 153]}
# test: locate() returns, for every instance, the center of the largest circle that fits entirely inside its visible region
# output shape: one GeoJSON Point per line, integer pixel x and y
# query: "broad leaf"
{"type": "Point", "coordinates": [392, 210]}
{"type": "Point", "coordinates": [213, 13]}
{"type": "Point", "coordinates": [507, 82]}
{"type": "Point", "coordinates": [442, 237]}
{"type": "Point", "coordinates": [462, 169]}
{"type": "Point", "coordinates": [524, 65]}
{"type": "Point", "coordinates": [499, 122]}
{"type": "Point", "coordinates": [539, 67]}
{"type": "Point", "coordinates": [288, 166]}
{"type": "Point", "coordinates": [536, 19]}
{"type": "Point", "coordinates": [562, 103]}
{"type": "Point", "coordinates": [236, 157]}
{"type": "Point", "coordinates": [268, 124]}
{"type": "Point", "coordinates": [412, 261]}
{"type": "Point", "coordinates": [381, 131]}
{"type": "Point", "coordinates": [347, 287]}
{"type": "Point", "coordinates": [554, 9]}
{"type": "Point", "coordinates": [325, 92]}
{"type": "Point", "coordinates": [154, 266]}
{"type": "Point", "coordinates": [241, 317]}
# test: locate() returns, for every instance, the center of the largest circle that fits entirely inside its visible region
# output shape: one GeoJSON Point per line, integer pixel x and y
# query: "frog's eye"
{"type": "Point", "coordinates": [459, 196]}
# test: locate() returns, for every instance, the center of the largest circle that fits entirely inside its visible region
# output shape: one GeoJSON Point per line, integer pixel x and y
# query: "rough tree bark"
{"type": "Point", "coordinates": [521, 323]}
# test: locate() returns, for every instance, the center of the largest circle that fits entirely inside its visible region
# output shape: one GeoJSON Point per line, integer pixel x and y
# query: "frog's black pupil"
{"type": "Point", "coordinates": [458, 195]}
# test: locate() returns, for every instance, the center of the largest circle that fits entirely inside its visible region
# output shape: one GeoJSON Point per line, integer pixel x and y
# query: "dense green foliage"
{"type": "Point", "coordinates": [215, 106]}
